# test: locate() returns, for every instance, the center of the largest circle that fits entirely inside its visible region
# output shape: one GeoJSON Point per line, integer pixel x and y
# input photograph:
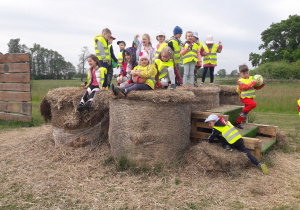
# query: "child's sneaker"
{"type": "Point", "coordinates": [202, 83]}
{"type": "Point", "coordinates": [211, 83]}
{"type": "Point", "coordinates": [238, 125]}
{"type": "Point", "coordinates": [227, 147]}
{"type": "Point", "coordinates": [196, 84]}
{"type": "Point", "coordinates": [122, 93]}
{"type": "Point", "coordinates": [243, 114]}
{"type": "Point", "coordinates": [173, 87]}
{"type": "Point", "coordinates": [87, 106]}
{"type": "Point", "coordinates": [264, 168]}
{"type": "Point", "coordinates": [114, 91]}
{"type": "Point", "coordinates": [80, 107]}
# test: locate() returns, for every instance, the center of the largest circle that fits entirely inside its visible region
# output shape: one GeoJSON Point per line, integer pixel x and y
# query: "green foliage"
{"type": "Point", "coordinates": [281, 42]}
{"type": "Point", "coordinates": [278, 70]}
{"type": "Point", "coordinates": [221, 73]}
{"type": "Point", "coordinates": [14, 46]}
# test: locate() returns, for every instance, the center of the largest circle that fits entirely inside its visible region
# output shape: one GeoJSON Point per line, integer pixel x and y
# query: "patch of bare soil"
{"type": "Point", "coordinates": [36, 175]}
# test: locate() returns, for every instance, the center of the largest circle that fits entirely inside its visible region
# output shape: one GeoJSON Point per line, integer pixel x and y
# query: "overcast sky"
{"type": "Point", "coordinates": [68, 25]}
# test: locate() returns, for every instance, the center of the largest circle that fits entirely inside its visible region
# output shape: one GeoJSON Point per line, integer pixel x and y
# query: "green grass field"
{"type": "Point", "coordinates": [276, 97]}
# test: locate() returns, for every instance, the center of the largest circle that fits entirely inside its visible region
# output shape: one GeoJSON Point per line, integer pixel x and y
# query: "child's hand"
{"type": "Point", "coordinates": [117, 67]}
{"type": "Point", "coordinates": [103, 88]}
{"type": "Point", "coordinates": [126, 83]}
{"type": "Point", "coordinates": [121, 78]}
{"type": "Point", "coordinates": [104, 61]}
{"type": "Point", "coordinates": [220, 43]}
{"type": "Point", "coordinates": [137, 36]}
{"type": "Point", "coordinates": [257, 80]}
{"type": "Point", "coordinates": [83, 85]}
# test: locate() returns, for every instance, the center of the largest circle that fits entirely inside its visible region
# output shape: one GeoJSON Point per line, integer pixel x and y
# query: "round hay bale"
{"type": "Point", "coordinates": [205, 157]}
{"type": "Point", "coordinates": [282, 139]}
{"type": "Point", "coordinates": [60, 106]}
{"type": "Point", "coordinates": [228, 95]}
{"type": "Point", "coordinates": [206, 97]}
{"type": "Point", "coordinates": [150, 126]}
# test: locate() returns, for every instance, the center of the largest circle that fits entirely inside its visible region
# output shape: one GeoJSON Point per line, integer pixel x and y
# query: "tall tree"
{"type": "Point", "coordinates": [281, 42]}
{"type": "Point", "coordinates": [221, 73]}
{"type": "Point", "coordinates": [14, 46]}
{"type": "Point", "coordinates": [82, 60]}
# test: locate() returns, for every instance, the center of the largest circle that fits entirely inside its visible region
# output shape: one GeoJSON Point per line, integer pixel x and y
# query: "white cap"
{"type": "Point", "coordinates": [195, 34]}
{"type": "Point", "coordinates": [212, 117]}
{"type": "Point", "coordinates": [160, 33]}
{"type": "Point", "coordinates": [209, 39]}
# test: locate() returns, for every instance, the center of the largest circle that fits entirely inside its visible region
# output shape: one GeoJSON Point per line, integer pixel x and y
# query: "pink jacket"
{"type": "Point", "coordinates": [185, 50]}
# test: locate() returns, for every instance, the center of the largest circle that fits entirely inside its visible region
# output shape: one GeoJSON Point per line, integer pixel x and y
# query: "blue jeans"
{"type": "Point", "coordinates": [188, 71]}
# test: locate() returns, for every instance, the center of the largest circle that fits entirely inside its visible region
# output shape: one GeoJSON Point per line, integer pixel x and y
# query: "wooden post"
{"type": "Point", "coordinates": [15, 92]}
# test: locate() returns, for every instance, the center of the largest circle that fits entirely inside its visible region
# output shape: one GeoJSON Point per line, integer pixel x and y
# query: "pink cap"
{"type": "Point", "coordinates": [144, 54]}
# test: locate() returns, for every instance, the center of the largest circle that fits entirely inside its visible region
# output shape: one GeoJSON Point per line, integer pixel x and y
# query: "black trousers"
{"type": "Point", "coordinates": [211, 72]}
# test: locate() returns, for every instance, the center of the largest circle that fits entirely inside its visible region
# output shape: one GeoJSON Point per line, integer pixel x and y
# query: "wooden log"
{"type": "Point", "coordinates": [267, 130]}
{"type": "Point", "coordinates": [194, 128]}
{"type": "Point", "coordinates": [20, 78]}
{"type": "Point", "coordinates": [15, 68]}
{"type": "Point", "coordinates": [16, 107]}
{"type": "Point", "coordinates": [7, 116]}
{"type": "Point", "coordinates": [203, 125]}
{"type": "Point", "coordinates": [15, 96]}
{"type": "Point", "coordinates": [15, 87]}
{"type": "Point", "coordinates": [204, 115]}
{"type": "Point", "coordinates": [14, 58]}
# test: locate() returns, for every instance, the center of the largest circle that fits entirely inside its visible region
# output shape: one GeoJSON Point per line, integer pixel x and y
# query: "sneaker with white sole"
{"type": "Point", "coordinates": [173, 87]}
{"type": "Point", "coordinates": [264, 169]}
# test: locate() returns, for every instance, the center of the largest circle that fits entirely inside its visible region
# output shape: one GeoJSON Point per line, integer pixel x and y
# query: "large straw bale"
{"type": "Point", "coordinates": [228, 95]}
{"type": "Point", "coordinates": [150, 126]}
{"type": "Point", "coordinates": [206, 97]}
{"type": "Point", "coordinates": [205, 157]}
{"type": "Point", "coordinates": [70, 127]}
{"type": "Point", "coordinates": [282, 139]}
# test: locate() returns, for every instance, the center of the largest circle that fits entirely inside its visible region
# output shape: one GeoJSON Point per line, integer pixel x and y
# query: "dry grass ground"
{"type": "Point", "coordinates": [36, 175]}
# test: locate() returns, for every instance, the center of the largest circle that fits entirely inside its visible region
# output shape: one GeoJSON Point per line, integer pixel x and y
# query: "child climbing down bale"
{"type": "Point", "coordinates": [143, 77]}
{"type": "Point", "coordinates": [229, 136]}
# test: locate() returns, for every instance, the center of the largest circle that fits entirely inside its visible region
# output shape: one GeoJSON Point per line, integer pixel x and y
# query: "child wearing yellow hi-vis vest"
{"type": "Point", "coordinates": [94, 78]}
{"type": "Point", "coordinates": [229, 137]}
{"type": "Point", "coordinates": [299, 106]}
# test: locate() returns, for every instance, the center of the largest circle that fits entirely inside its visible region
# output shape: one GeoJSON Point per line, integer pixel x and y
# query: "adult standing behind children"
{"type": "Point", "coordinates": [246, 89]}
{"type": "Point", "coordinates": [202, 52]}
{"type": "Point", "coordinates": [210, 58]}
{"type": "Point", "coordinates": [110, 69]}
{"type": "Point", "coordinates": [122, 46]}
{"type": "Point", "coordinates": [175, 44]}
{"type": "Point", "coordinates": [160, 37]}
{"type": "Point", "coordinates": [145, 45]}
{"type": "Point", "coordinates": [191, 58]}
{"type": "Point", "coordinates": [229, 137]}
{"type": "Point", "coordinates": [103, 54]}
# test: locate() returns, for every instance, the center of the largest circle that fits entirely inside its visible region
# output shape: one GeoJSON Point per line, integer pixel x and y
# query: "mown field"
{"type": "Point", "coordinates": [36, 175]}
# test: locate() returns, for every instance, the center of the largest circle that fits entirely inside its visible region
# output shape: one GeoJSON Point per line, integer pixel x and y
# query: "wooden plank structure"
{"type": "Point", "coordinates": [201, 130]}
{"type": "Point", "coordinates": [15, 91]}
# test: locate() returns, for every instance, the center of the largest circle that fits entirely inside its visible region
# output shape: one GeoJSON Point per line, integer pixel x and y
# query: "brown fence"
{"type": "Point", "coordinates": [15, 95]}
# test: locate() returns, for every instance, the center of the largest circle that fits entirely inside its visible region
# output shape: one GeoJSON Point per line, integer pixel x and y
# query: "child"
{"type": "Point", "coordinates": [299, 106]}
{"type": "Point", "coordinates": [175, 44]}
{"type": "Point", "coordinates": [202, 52]}
{"type": "Point", "coordinates": [228, 135]}
{"type": "Point", "coordinates": [102, 51]}
{"type": "Point", "coordinates": [210, 58]}
{"type": "Point", "coordinates": [160, 37]}
{"type": "Point", "coordinates": [191, 58]}
{"type": "Point", "coordinates": [110, 70]}
{"type": "Point", "coordinates": [247, 93]}
{"type": "Point", "coordinates": [167, 69]}
{"type": "Point", "coordinates": [128, 64]}
{"type": "Point", "coordinates": [145, 70]}
{"type": "Point", "coordinates": [92, 85]}
{"type": "Point", "coordinates": [144, 45]}
{"type": "Point", "coordinates": [122, 46]}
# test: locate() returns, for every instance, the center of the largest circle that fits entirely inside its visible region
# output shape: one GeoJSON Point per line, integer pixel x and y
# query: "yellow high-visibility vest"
{"type": "Point", "coordinates": [120, 58]}
{"type": "Point", "coordinates": [150, 80]}
{"type": "Point", "coordinates": [162, 67]}
{"type": "Point", "coordinates": [229, 132]}
{"type": "Point", "coordinates": [211, 57]}
{"type": "Point", "coordinates": [177, 49]}
{"type": "Point", "coordinates": [106, 49]}
{"type": "Point", "coordinates": [250, 93]}
{"type": "Point", "coordinates": [160, 49]}
{"type": "Point", "coordinates": [191, 54]}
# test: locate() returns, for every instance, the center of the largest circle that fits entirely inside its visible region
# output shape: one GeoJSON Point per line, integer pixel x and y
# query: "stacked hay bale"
{"type": "Point", "coordinates": [229, 96]}
{"type": "Point", "coordinates": [150, 126]}
{"type": "Point", "coordinates": [70, 127]}
{"type": "Point", "coordinates": [206, 97]}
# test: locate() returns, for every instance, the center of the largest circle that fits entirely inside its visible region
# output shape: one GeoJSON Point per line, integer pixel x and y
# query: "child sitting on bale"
{"type": "Point", "coordinates": [167, 69]}
{"type": "Point", "coordinates": [144, 77]}
{"type": "Point", "coordinates": [227, 134]}
{"type": "Point", "coordinates": [93, 84]}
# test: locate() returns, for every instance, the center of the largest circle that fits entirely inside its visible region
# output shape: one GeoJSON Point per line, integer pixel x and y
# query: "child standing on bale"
{"type": "Point", "coordinates": [227, 134]}
{"type": "Point", "coordinates": [210, 58]}
{"type": "Point", "coordinates": [191, 58]}
{"type": "Point", "coordinates": [145, 71]}
{"type": "Point", "coordinates": [92, 86]}
{"type": "Point", "coordinates": [247, 93]}
{"type": "Point", "coordinates": [167, 69]}
{"type": "Point", "coordinates": [161, 43]}
{"type": "Point", "coordinates": [145, 45]}
{"type": "Point", "coordinates": [128, 64]}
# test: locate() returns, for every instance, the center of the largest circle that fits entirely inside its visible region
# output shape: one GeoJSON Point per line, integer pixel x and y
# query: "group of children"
{"type": "Point", "coordinates": [143, 67]}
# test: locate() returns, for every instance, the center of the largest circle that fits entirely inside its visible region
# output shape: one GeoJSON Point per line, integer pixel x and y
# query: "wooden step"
{"type": "Point", "coordinates": [267, 143]}
{"type": "Point", "coordinates": [249, 130]}
{"type": "Point", "coordinates": [232, 110]}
